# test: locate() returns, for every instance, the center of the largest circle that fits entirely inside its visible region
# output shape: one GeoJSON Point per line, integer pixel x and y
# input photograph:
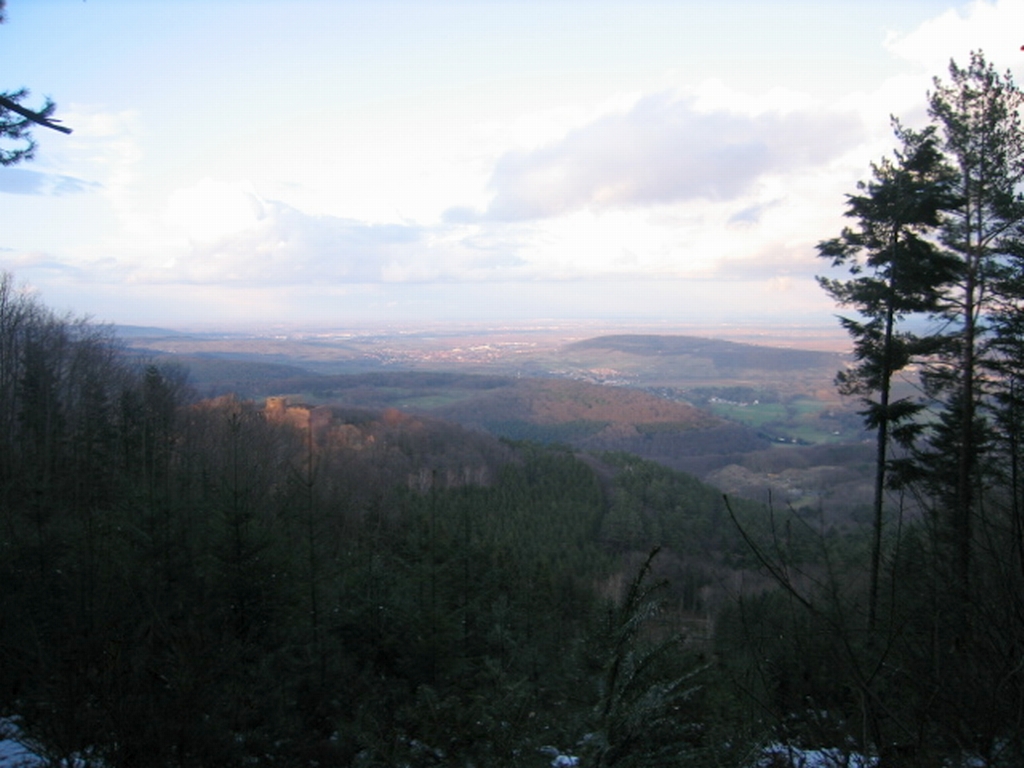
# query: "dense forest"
{"type": "Point", "coordinates": [215, 582]}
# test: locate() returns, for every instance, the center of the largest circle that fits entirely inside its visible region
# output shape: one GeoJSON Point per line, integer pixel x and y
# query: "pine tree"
{"type": "Point", "coordinates": [978, 116]}
{"type": "Point", "coordinates": [898, 272]}
{"type": "Point", "coordinates": [648, 688]}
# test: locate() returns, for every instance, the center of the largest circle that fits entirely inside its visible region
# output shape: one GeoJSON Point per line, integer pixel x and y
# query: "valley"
{"type": "Point", "coordinates": [760, 421]}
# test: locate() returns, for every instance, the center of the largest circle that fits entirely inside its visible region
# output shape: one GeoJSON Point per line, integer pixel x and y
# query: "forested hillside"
{"type": "Point", "coordinates": [217, 582]}
{"type": "Point", "coordinates": [716, 358]}
{"type": "Point", "coordinates": [228, 582]}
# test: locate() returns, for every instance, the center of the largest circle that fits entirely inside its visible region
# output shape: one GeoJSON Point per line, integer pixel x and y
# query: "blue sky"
{"type": "Point", "coordinates": [327, 163]}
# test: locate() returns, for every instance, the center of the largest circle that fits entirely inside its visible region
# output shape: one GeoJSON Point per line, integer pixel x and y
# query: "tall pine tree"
{"type": "Point", "coordinates": [977, 114]}
{"type": "Point", "coordinates": [897, 271]}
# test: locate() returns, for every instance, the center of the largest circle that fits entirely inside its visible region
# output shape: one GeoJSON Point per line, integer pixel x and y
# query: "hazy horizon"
{"type": "Point", "coordinates": [546, 332]}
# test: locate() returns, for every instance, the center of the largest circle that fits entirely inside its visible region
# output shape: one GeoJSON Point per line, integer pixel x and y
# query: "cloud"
{"type": "Point", "coordinates": [20, 181]}
{"type": "Point", "coordinates": [993, 27]}
{"type": "Point", "coordinates": [662, 150]}
{"type": "Point", "coordinates": [105, 146]}
{"type": "Point", "coordinates": [461, 214]}
{"type": "Point", "coordinates": [212, 209]}
{"type": "Point", "coordinates": [38, 262]}
{"type": "Point", "coordinates": [775, 262]}
{"type": "Point", "coordinates": [221, 233]}
{"type": "Point", "coordinates": [751, 214]}
{"type": "Point", "coordinates": [270, 242]}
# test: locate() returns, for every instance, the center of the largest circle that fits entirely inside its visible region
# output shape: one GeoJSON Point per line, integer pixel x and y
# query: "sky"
{"type": "Point", "coordinates": [247, 165]}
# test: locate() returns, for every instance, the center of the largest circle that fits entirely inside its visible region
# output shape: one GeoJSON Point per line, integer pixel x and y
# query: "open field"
{"type": "Point", "coordinates": [802, 420]}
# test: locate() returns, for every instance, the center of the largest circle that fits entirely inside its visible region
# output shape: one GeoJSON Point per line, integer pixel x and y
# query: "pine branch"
{"type": "Point", "coordinates": [35, 117]}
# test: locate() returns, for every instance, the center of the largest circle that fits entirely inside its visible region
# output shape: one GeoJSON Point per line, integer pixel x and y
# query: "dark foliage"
{"type": "Point", "coordinates": [215, 582]}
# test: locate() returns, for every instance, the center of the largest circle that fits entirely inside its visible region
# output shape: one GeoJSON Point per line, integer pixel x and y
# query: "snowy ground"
{"type": "Point", "coordinates": [13, 754]}
{"type": "Point", "coordinates": [782, 756]}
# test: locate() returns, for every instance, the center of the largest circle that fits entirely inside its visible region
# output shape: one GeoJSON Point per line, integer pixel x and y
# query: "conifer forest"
{"type": "Point", "coordinates": [189, 581]}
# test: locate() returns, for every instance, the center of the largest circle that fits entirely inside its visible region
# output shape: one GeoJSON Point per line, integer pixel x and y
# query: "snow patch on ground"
{"type": "Point", "coordinates": [16, 749]}
{"type": "Point", "coordinates": [13, 752]}
{"type": "Point", "coordinates": [783, 756]}
{"type": "Point", "coordinates": [558, 758]}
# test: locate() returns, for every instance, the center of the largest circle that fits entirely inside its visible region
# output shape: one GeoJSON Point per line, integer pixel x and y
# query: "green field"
{"type": "Point", "coordinates": [803, 419]}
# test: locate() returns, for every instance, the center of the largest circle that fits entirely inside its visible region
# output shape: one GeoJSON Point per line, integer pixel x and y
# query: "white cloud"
{"type": "Point", "coordinates": [662, 150]}
{"type": "Point", "coordinates": [211, 210]}
{"type": "Point", "coordinates": [238, 239]}
{"type": "Point", "coordinates": [104, 148]}
{"type": "Point", "coordinates": [993, 27]}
